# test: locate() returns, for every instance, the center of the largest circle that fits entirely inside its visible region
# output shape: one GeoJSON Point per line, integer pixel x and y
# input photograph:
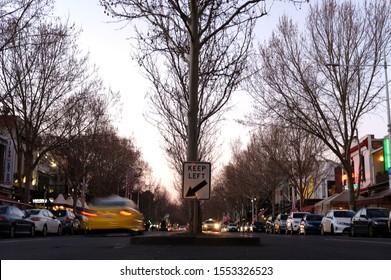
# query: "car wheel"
{"type": "Point", "coordinates": [59, 230]}
{"type": "Point", "coordinates": [45, 231]}
{"type": "Point", "coordinates": [71, 230]}
{"type": "Point", "coordinates": [353, 231]}
{"type": "Point", "coordinates": [332, 230]}
{"type": "Point", "coordinates": [32, 231]}
{"type": "Point", "coordinates": [12, 232]}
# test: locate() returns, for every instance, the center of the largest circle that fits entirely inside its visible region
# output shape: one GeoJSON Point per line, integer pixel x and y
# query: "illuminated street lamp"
{"type": "Point", "coordinates": [388, 106]}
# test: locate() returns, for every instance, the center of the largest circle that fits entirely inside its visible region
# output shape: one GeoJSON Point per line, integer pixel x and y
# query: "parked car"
{"type": "Point", "coordinates": [293, 222]}
{"type": "Point", "coordinates": [280, 223]}
{"type": "Point", "coordinates": [13, 222]}
{"type": "Point", "coordinates": [269, 226]}
{"type": "Point", "coordinates": [336, 222]}
{"type": "Point", "coordinates": [310, 224]}
{"type": "Point", "coordinates": [246, 227]}
{"type": "Point", "coordinates": [45, 222]}
{"type": "Point", "coordinates": [370, 221]}
{"type": "Point", "coordinates": [258, 226]}
{"type": "Point", "coordinates": [211, 225]}
{"type": "Point", "coordinates": [114, 213]}
{"type": "Point", "coordinates": [389, 223]}
{"type": "Point", "coordinates": [83, 220]}
{"type": "Point", "coordinates": [70, 224]}
{"type": "Point", "coordinates": [232, 227]}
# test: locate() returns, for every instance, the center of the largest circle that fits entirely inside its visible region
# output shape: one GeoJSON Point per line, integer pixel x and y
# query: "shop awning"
{"type": "Point", "coordinates": [374, 199]}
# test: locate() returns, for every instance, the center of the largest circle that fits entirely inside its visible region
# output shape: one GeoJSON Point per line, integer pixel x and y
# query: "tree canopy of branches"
{"type": "Point", "coordinates": [48, 89]}
{"type": "Point", "coordinates": [16, 15]}
{"type": "Point", "coordinates": [295, 84]}
{"type": "Point", "coordinates": [194, 53]}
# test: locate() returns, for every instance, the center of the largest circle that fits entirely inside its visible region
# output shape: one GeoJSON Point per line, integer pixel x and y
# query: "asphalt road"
{"type": "Point", "coordinates": [272, 247]}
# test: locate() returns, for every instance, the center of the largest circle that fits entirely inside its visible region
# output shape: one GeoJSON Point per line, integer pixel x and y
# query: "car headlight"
{"type": "Point", "coordinates": [216, 226]}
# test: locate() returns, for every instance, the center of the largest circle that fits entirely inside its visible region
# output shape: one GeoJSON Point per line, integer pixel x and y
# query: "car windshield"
{"type": "Point", "coordinates": [209, 222]}
{"type": "Point", "coordinates": [314, 217]}
{"type": "Point", "coordinates": [284, 217]}
{"type": "Point", "coordinates": [33, 212]}
{"type": "Point", "coordinates": [377, 213]}
{"type": "Point", "coordinates": [3, 210]}
{"type": "Point", "coordinates": [298, 215]}
{"type": "Point", "coordinates": [344, 214]}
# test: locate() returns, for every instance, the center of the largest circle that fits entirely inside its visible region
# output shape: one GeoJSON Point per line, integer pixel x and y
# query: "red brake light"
{"type": "Point", "coordinates": [125, 213]}
{"type": "Point", "coordinates": [68, 220]}
{"type": "Point", "coordinates": [35, 219]}
{"type": "Point", "coordinates": [89, 213]}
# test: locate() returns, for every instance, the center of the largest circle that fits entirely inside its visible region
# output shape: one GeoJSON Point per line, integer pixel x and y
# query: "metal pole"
{"type": "Point", "coordinates": [252, 209]}
{"type": "Point", "coordinates": [388, 115]}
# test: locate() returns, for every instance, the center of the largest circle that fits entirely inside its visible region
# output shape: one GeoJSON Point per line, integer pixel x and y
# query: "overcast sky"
{"type": "Point", "coordinates": [110, 51]}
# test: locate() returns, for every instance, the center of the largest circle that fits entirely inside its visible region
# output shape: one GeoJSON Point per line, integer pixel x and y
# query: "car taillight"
{"type": "Point", "coordinates": [68, 220]}
{"type": "Point", "coordinates": [35, 219]}
{"type": "Point", "coordinates": [89, 213]}
{"type": "Point", "coordinates": [125, 213]}
{"type": "Point", "coordinates": [2, 218]}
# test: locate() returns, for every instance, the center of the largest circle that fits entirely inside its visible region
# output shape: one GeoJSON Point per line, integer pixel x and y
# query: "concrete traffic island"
{"type": "Point", "coordinates": [202, 239]}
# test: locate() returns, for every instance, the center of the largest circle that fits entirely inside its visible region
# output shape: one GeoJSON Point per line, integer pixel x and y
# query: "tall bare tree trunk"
{"type": "Point", "coordinates": [193, 108]}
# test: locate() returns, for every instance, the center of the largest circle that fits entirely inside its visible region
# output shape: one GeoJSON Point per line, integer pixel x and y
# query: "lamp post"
{"type": "Point", "coordinates": [388, 105]}
{"type": "Point", "coordinates": [252, 208]}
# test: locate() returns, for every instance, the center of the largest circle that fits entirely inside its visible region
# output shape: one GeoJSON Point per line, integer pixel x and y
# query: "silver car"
{"type": "Point", "coordinates": [336, 222]}
{"type": "Point", "coordinates": [293, 222]}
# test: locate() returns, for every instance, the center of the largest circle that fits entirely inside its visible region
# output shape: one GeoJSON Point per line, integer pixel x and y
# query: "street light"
{"type": "Point", "coordinates": [388, 105]}
{"type": "Point", "coordinates": [252, 208]}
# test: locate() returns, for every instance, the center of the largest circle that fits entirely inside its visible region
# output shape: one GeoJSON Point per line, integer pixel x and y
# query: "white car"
{"type": "Point", "coordinates": [336, 222]}
{"type": "Point", "coordinates": [45, 222]}
{"type": "Point", "coordinates": [232, 227]}
{"type": "Point", "coordinates": [293, 222]}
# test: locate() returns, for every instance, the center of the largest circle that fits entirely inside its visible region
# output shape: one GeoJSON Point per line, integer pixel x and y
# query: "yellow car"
{"type": "Point", "coordinates": [114, 213]}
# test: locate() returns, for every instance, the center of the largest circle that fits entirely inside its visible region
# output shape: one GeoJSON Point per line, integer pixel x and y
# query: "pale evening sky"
{"type": "Point", "coordinates": [110, 52]}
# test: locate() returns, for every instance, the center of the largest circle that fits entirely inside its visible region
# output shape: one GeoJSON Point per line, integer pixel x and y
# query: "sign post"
{"type": "Point", "coordinates": [196, 180]}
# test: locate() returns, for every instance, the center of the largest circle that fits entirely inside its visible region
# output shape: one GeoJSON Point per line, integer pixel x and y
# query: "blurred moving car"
{"type": "Point", "coordinates": [70, 224]}
{"type": "Point", "coordinates": [370, 221]}
{"type": "Point", "coordinates": [211, 225]}
{"type": "Point", "coordinates": [280, 223]}
{"type": "Point", "coordinates": [114, 213]}
{"type": "Point", "coordinates": [13, 222]}
{"type": "Point", "coordinates": [336, 222]}
{"type": "Point", "coordinates": [258, 226]}
{"type": "Point", "coordinates": [293, 222]}
{"type": "Point", "coordinates": [310, 224]}
{"type": "Point", "coordinates": [269, 225]}
{"type": "Point", "coordinates": [45, 222]}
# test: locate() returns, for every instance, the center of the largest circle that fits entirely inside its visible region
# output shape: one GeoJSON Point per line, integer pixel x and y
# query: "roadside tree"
{"type": "Point", "coordinates": [296, 83]}
{"type": "Point", "coordinates": [46, 88]}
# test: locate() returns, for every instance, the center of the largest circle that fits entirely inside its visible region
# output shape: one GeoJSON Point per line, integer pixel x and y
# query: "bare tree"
{"type": "Point", "coordinates": [204, 45]}
{"type": "Point", "coordinates": [16, 15]}
{"type": "Point", "coordinates": [47, 87]}
{"type": "Point", "coordinates": [295, 84]}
